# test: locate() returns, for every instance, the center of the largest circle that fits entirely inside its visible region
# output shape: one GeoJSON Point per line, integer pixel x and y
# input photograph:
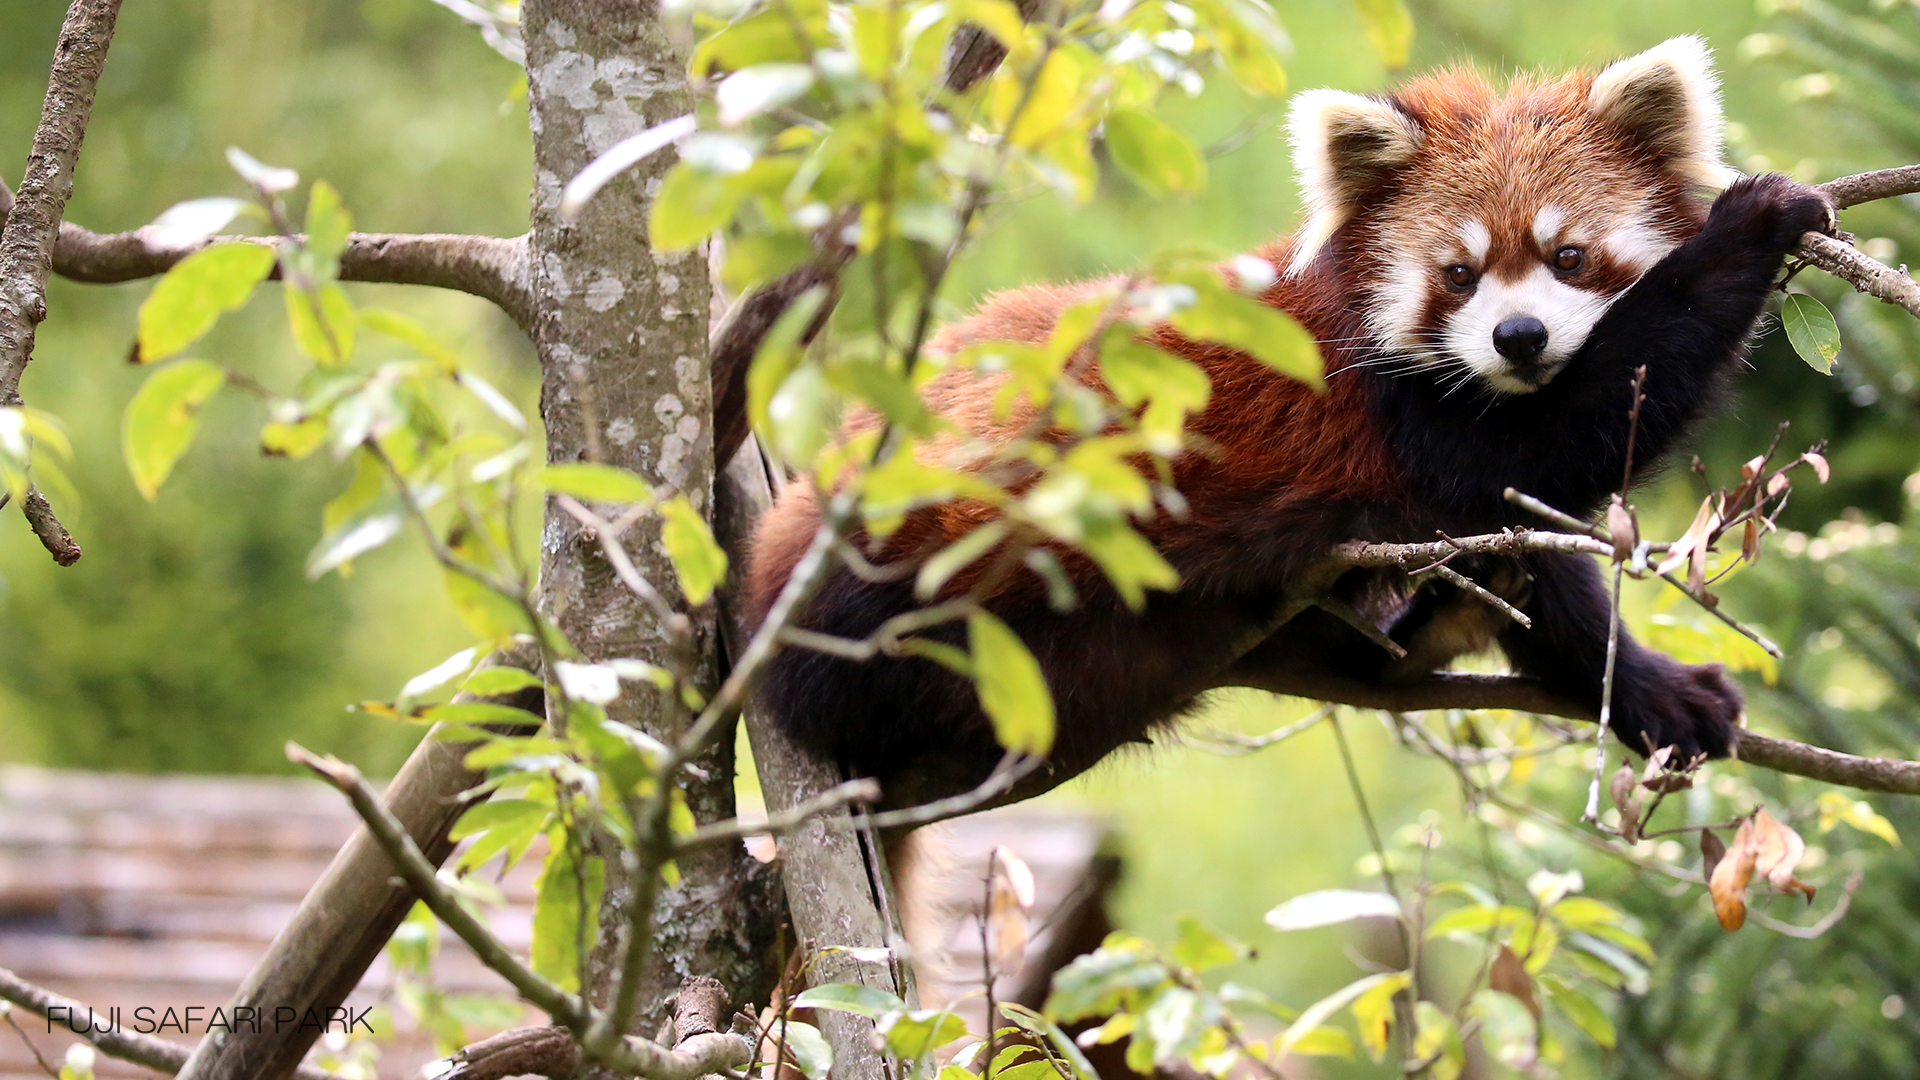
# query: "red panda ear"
{"type": "Point", "coordinates": [1344, 147]}
{"type": "Point", "coordinates": [1667, 100]}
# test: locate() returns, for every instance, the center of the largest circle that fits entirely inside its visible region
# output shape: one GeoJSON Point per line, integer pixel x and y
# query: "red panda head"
{"type": "Point", "coordinates": [1489, 231]}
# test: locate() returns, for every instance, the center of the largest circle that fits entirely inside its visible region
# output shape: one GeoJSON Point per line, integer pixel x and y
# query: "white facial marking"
{"type": "Point", "coordinates": [1567, 312]}
{"type": "Point", "coordinates": [1635, 243]}
{"type": "Point", "coordinates": [1547, 224]}
{"type": "Point", "coordinates": [1398, 303]}
{"type": "Point", "coordinates": [1477, 241]}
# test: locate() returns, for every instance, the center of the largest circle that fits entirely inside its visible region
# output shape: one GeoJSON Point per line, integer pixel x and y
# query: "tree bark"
{"type": "Point", "coordinates": [621, 333]}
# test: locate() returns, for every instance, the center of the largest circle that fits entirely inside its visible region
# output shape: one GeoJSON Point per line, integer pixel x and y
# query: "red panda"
{"type": "Point", "coordinates": [1483, 271]}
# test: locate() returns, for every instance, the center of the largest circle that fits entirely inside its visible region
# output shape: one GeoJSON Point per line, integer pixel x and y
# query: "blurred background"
{"type": "Point", "coordinates": [188, 640]}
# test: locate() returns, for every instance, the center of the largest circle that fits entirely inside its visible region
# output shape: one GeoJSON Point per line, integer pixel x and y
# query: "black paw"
{"type": "Point", "coordinates": [1772, 212]}
{"type": "Point", "coordinates": [1693, 709]}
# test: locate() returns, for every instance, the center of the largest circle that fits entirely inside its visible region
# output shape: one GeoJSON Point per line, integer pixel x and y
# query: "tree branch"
{"type": "Point", "coordinates": [1862, 271]}
{"type": "Point", "coordinates": [156, 1054]}
{"type": "Point", "coordinates": [1455, 690]}
{"type": "Point", "coordinates": [693, 1057]}
{"type": "Point", "coordinates": [490, 267]}
{"type": "Point", "coordinates": [32, 222]}
{"type": "Point", "coordinates": [1863, 187]}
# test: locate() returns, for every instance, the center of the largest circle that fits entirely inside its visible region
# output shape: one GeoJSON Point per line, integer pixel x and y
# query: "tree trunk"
{"type": "Point", "coordinates": [621, 333]}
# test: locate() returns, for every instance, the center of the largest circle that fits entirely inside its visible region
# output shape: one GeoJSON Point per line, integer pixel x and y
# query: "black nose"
{"type": "Point", "coordinates": [1520, 338]}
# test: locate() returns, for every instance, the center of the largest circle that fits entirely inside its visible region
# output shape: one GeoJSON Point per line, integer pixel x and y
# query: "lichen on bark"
{"type": "Point", "coordinates": [621, 333]}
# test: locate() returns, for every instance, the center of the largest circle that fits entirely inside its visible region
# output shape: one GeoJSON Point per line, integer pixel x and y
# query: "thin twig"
{"type": "Point", "coordinates": [157, 1054]}
{"type": "Point", "coordinates": [1599, 532]}
{"type": "Point", "coordinates": [7, 1012]}
{"type": "Point", "coordinates": [1353, 617]}
{"type": "Point", "coordinates": [834, 798]}
{"type": "Point", "coordinates": [1592, 813]}
{"type": "Point", "coordinates": [1485, 596]}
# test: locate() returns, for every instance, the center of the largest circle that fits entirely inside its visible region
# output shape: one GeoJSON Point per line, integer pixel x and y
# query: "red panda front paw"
{"type": "Point", "coordinates": [1772, 211]}
{"type": "Point", "coordinates": [1692, 708]}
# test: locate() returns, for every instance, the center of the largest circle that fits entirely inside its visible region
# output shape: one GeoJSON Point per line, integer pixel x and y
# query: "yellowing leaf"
{"type": "Point", "coordinates": [1389, 29]}
{"type": "Point", "coordinates": [594, 482]}
{"type": "Point", "coordinates": [162, 418]}
{"type": "Point", "coordinates": [1154, 155]}
{"type": "Point", "coordinates": [1317, 1013]}
{"type": "Point", "coordinates": [1269, 335]}
{"type": "Point", "coordinates": [697, 558]}
{"type": "Point", "coordinates": [322, 321]}
{"type": "Point", "coordinates": [196, 292]}
{"type": "Point", "coordinates": [1373, 1012]}
{"type": "Point", "coordinates": [1837, 808]}
{"type": "Point", "coordinates": [328, 224]}
{"type": "Point", "coordinates": [1012, 689]}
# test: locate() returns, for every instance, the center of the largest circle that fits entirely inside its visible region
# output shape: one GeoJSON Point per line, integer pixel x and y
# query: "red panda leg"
{"type": "Point", "coordinates": [1657, 701]}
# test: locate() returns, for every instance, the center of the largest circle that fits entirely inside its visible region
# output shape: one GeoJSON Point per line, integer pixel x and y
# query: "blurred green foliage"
{"type": "Point", "coordinates": [188, 638]}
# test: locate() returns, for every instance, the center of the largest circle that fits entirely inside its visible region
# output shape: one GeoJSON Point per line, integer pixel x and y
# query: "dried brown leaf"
{"type": "Point", "coordinates": [1712, 849]}
{"type": "Point", "coordinates": [1509, 976]}
{"type": "Point", "coordinates": [1750, 542]}
{"type": "Point", "coordinates": [1819, 463]}
{"type": "Point", "coordinates": [1751, 468]}
{"type": "Point", "coordinates": [1622, 529]}
{"type": "Point", "coordinates": [1694, 539]}
{"type": "Point", "coordinates": [1777, 483]}
{"type": "Point", "coordinates": [1009, 898]}
{"type": "Point", "coordinates": [1777, 849]}
{"type": "Point", "coordinates": [1728, 882]}
{"type": "Point", "coordinates": [1621, 785]}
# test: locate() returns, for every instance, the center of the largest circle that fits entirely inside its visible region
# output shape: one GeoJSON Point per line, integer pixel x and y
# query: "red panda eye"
{"type": "Point", "coordinates": [1568, 259]}
{"type": "Point", "coordinates": [1461, 276]}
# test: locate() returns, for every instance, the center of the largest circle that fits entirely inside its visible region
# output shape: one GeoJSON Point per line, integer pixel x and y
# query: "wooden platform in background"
{"type": "Point", "coordinates": [163, 891]}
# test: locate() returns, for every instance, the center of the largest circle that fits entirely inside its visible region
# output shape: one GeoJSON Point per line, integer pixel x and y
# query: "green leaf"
{"type": "Point", "coordinates": [196, 292]}
{"type": "Point", "coordinates": [494, 681]}
{"type": "Point", "coordinates": [1269, 335]}
{"type": "Point", "coordinates": [1330, 906]}
{"type": "Point", "coordinates": [778, 354]}
{"type": "Point", "coordinates": [492, 814]}
{"type": "Point", "coordinates": [1317, 1013]}
{"type": "Point", "coordinates": [404, 329]}
{"type": "Point", "coordinates": [1063, 1043]}
{"type": "Point", "coordinates": [1012, 689]}
{"type": "Point", "coordinates": [440, 674]}
{"type": "Point", "coordinates": [749, 92]}
{"type": "Point", "coordinates": [491, 616]}
{"type": "Point", "coordinates": [697, 558]}
{"type": "Point", "coordinates": [1581, 1009]}
{"type": "Point", "coordinates": [1811, 330]}
{"type": "Point", "coordinates": [595, 483]}
{"type": "Point", "coordinates": [690, 205]}
{"type": "Point", "coordinates": [322, 321]}
{"type": "Point", "coordinates": [1200, 948]}
{"type": "Point", "coordinates": [912, 1035]}
{"type": "Point", "coordinates": [867, 1001]}
{"type": "Point", "coordinates": [295, 440]}
{"type": "Point", "coordinates": [1131, 563]}
{"type": "Point", "coordinates": [1153, 155]}
{"type": "Point", "coordinates": [956, 556]}
{"type": "Point", "coordinates": [1389, 28]}
{"type": "Point", "coordinates": [480, 712]}
{"type": "Point", "coordinates": [328, 224]}
{"type": "Point", "coordinates": [161, 420]}
{"type": "Point", "coordinates": [1100, 982]}
{"type": "Point", "coordinates": [810, 1050]}
{"type": "Point", "coordinates": [1438, 1040]}
{"type": "Point", "coordinates": [566, 911]}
